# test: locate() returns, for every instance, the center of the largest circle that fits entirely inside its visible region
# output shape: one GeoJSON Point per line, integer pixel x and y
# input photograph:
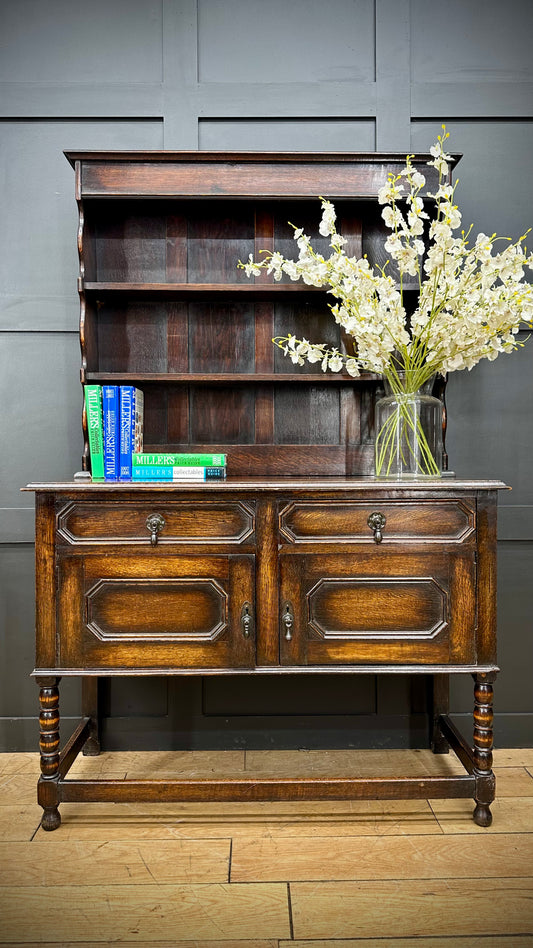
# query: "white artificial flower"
{"type": "Point", "coordinates": [445, 192]}
{"type": "Point", "coordinates": [392, 191]}
{"type": "Point", "coordinates": [327, 224]}
{"type": "Point", "coordinates": [452, 214]}
{"type": "Point", "coordinates": [392, 216]}
{"type": "Point", "coordinates": [335, 361]}
{"type": "Point", "coordinates": [251, 268]}
{"type": "Point", "coordinates": [415, 223]}
{"type": "Point", "coordinates": [275, 265]}
{"type": "Point", "coordinates": [440, 231]}
{"type": "Point", "coordinates": [314, 354]}
{"type": "Point", "coordinates": [352, 368]}
{"type": "Point", "coordinates": [393, 244]}
{"type": "Point", "coordinates": [471, 304]}
{"type": "Point", "coordinates": [417, 205]}
{"type": "Point", "coordinates": [290, 268]}
{"type": "Point", "coordinates": [418, 179]}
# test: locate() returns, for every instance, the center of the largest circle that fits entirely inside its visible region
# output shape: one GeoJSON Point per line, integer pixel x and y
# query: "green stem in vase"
{"type": "Point", "coordinates": [401, 435]}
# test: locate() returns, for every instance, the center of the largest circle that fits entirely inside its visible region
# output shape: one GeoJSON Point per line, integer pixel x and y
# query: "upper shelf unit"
{"type": "Point", "coordinates": [164, 304]}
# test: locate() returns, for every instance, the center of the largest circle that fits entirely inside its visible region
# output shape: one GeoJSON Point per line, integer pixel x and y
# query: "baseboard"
{"type": "Point", "coordinates": [357, 731]}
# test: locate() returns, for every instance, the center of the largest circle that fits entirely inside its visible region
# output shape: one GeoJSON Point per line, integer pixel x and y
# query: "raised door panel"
{"type": "Point", "coordinates": [165, 612]}
{"type": "Point", "coordinates": [378, 608]}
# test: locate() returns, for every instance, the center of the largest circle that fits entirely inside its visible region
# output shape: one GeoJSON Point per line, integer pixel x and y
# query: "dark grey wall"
{"type": "Point", "coordinates": [304, 74]}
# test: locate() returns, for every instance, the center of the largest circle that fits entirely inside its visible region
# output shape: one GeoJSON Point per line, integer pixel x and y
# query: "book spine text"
{"type": "Point", "coordinates": [93, 408]}
{"type": "Point", "coordinates": [131, 402]}
{"type": "Point", "coordinates": [111, 431]}
{"type": "Point", "coordinates": [198, 473]}
{"type": "Point", "coordinates": [179, 460]}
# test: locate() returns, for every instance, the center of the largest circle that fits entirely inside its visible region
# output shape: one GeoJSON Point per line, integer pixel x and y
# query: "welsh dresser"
{"type": "Point", "coordinates": [301, 561]}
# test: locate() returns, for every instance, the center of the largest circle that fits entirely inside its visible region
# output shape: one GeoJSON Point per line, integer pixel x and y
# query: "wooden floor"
{"type": "Point", "coordinates": [409, 874]}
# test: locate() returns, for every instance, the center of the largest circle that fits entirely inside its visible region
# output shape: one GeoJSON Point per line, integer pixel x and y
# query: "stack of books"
{"type": "Point", "coordinates": [115, 427]}
{"type": "Point", "coordinates": [178, 467]}
{"type": "Point", "coordinates": [115, 415]}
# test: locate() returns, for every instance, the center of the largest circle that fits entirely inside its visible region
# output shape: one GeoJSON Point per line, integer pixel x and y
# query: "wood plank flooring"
{"type": "Point", "coordinates": [362, 874]}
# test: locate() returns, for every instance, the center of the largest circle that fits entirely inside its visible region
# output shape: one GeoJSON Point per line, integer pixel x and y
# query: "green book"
{"type": "Point", "coordinates": [93, 405]}
{"type": "Point", "coordinates": [179, 460]}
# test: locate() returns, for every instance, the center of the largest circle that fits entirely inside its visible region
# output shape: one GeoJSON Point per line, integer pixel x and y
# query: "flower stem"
{"type": "Point", "coordinates": [401, 441]}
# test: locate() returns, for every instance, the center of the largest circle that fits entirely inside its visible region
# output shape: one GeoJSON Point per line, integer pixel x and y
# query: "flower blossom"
{"type": "Point", "coordinates": [327, 224]}
{"type": "Point", "coordinates": [472, 299]}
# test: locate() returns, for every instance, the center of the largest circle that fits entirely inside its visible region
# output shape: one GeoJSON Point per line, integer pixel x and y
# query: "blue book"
{"type": "Point", "coordinates": [131, 427]}
{"type": "Point", "coordinates": [110, 405]}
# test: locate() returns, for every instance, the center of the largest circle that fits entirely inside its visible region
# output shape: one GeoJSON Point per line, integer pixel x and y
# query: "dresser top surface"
{"type": "Point", "coordinates": [311, 157]}
{"type": "Point", "coordinates": [276, 484]}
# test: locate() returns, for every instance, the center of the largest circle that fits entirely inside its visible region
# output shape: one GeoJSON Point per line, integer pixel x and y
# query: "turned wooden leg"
{"type": "Point", "coordinates": [89, 703]}
{"type": "Point", "coordinates": [483, 718]}
{"type": "Point", "coordinates": [47, 789]}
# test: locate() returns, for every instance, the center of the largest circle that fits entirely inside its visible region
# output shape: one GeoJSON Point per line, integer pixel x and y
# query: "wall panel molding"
{"type": "Point", "coordinates": [515, 522]}
{"type": "Point", "coordinates": [180, 73]}
{"type": "Point", "coordinates": [393, 52]}
{"type": "Point", "coordinates": [350, 99]}
{"type": "Point", "coordinates": [152, 79]}
{"type": "Point", "coordinates": [47, 100]}
{"type": "Point", "coordinates": [473, 100]}
{"type": "Point", "coordinates": [17, 524]}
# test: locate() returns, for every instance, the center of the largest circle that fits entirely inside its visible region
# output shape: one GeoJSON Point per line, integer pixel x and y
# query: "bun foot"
{"type": "Point", "coordinates": [91, 748]}
{"type": "Point", "coordinates": [482, 815]}
{"type": "Point", "coordinates": [51, 819]}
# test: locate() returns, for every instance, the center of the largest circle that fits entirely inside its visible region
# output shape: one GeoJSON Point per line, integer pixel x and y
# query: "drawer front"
{"type": "Point", "coordinates": [348, 521]}
{"type": "Point", "coordinates": [391, 608]}
{"type": "Point", "coordinates": [163, 612]}
{"type": "Point", "coordinates": [80, 523]}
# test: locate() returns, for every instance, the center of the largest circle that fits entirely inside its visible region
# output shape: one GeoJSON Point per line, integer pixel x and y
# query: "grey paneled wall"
{"type": "Point", "coordinates": [330, 43]}
{"type": "Point", "coordinates": [283, 135]}
{"type": "Point", "coordinates": [304, 75]}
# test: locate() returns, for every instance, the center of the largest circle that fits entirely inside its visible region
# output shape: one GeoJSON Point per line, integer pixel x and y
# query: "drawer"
{"type": "Point", "coordinates": [159, 612]}
{"type": "Point", "coordinates": [395, 608]}
{"type": "Point", "coordinates": [180, 522]}
{"type": "Point", "coordinates": [403, 521]}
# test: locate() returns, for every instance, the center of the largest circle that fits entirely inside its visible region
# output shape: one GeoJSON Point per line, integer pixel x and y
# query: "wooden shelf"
{"type": "Point", "coordinates": [226, 378]}
{"type": "Point", "coordinates": [259, 291]}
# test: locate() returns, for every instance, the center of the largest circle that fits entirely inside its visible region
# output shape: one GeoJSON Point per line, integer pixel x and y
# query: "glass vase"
{"type": "Point", "coordinates": [408, 432]}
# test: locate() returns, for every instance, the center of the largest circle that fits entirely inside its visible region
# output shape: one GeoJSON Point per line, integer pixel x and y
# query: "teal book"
{"type": "Point", "coordinates": [179, 460]}
{"type": "Point", "coordinates": [95, 429]}
{"type": "Point", "coordinates": [151, 472]}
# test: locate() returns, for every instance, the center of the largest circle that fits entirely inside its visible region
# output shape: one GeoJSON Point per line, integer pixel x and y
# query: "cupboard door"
{"type": "Point", "coordinates": [377, 608]}
{"type": "Point", "coordinates": [143, 612]}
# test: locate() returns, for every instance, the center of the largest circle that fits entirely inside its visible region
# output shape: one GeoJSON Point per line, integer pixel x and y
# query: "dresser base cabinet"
{"type": "Point", "coordinates": [266, 577]}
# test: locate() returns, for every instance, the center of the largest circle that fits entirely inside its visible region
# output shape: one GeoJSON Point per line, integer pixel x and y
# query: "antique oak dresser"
{"type": "Point", "coordinates": [301, 561]}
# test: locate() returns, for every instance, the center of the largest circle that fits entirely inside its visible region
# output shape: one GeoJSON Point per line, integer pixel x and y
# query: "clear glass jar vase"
{"type": "Point", "coordinates": [408, 431]}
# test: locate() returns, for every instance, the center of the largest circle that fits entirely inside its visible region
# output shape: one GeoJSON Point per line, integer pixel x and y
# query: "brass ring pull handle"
{"type": "Point", "coordinates": [376, 522]}
{"type": "Point", "coordinates": [287, 619]}
{"type": "Point", "coordinates": [246, 619]}
{"type": "Point", "coordinates": [154, 523]}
